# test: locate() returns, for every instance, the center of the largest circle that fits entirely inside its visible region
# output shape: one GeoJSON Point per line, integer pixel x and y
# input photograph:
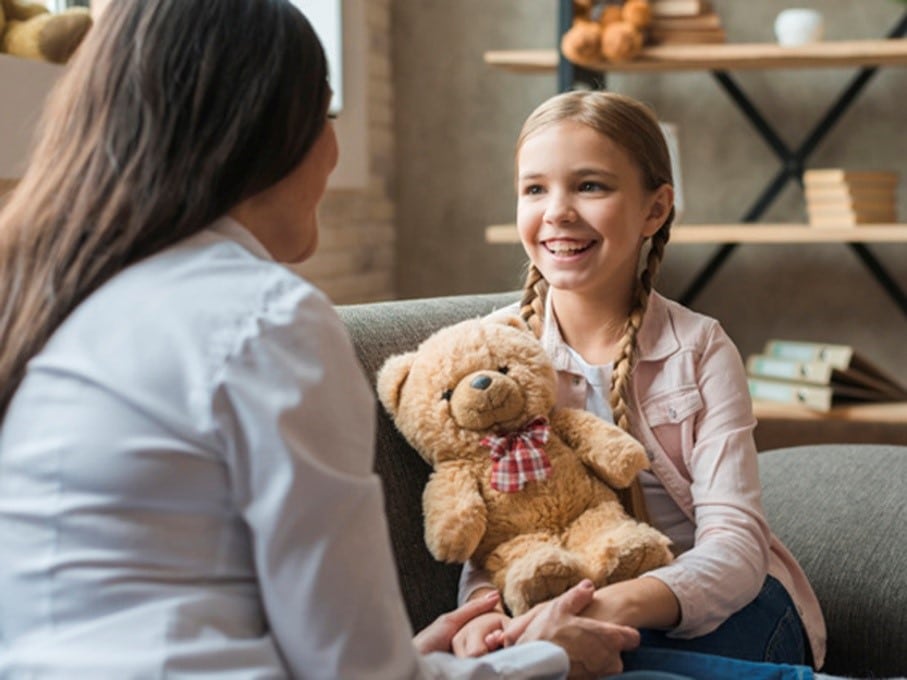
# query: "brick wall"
{"type": "Point", "coordinates": [355, 257]}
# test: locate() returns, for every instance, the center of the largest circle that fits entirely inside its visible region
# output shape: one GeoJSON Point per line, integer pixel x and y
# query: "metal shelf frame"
{"type": "Point", "coordinates": [793, 161]}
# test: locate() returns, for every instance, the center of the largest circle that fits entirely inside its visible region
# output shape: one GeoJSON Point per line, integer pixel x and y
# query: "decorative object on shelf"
{"type": "Point", "coordinates": [685, 22]}
{"type": "Point", "coordinates": [799, 26]}
{"type": "Point", "coordinates": [818, 376]}
{"type": "Point", "coordinates": [611, 31]}
{"type": "Point", "coordinates": [29, 29]}
{"type": "Point", "coordinates": [836, 197]}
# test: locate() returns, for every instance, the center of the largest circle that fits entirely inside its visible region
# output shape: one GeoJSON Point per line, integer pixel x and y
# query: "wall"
{"type": "Point", "coordinates": [355, 257]}
{"type": "Point", "coordinates": [457, 120]}
{"type": "Point", "coordinates": [31, 81]}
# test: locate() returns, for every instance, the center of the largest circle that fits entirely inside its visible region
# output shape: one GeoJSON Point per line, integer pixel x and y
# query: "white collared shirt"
{"type": "Point", "coordinates": [186, 487]}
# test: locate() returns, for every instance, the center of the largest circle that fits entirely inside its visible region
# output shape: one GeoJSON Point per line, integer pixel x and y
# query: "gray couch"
{"type": "Point", "coordinates": [841, 509]}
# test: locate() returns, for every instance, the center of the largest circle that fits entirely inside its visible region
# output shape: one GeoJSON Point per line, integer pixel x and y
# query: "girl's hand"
{"type": "Point", "coordinates": [438, 635]}
{"type": "Point", "coordinates": [481, 635]}
{"type": "Point", "coordinates": [594, 647]}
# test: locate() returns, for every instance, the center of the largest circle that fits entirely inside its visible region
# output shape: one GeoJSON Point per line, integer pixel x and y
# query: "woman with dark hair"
{"type": "Point", "coordinates": [186, 479]}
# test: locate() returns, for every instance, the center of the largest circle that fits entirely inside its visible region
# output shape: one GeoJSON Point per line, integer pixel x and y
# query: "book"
{"type": "Point", "coordinates": [697, 22]}
{"type": "Point", "coordinates": [818, 375]}
{"type": "Point", "coordinates": [828, 207]}
{"type": "Point", "coordinates": [845, 221]}
{"type": "Point", "coordinates": [818, 372]}
{"type": "Point", "coordinates": [879, 213]}
{"type": "Point", "coordinates": [678, 8]}
{"type": "Point", "coordinates": [850, 178]}
{"type": "Point", "coordinates": [815, 397]}
{"type": "Point", "coordinates": [687, 37]}
{"type": "Point", "coordinates": [844, 194]}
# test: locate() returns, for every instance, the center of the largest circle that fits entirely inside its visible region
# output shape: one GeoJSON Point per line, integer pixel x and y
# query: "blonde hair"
{"type": "Point", "coordinates": [634, 127]}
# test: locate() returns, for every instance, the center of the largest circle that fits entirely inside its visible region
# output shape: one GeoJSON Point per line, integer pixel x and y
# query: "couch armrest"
{"type": "Point", "coordinates": [842, 512]}
{"type": "Point", "coordinates": [379, 330]}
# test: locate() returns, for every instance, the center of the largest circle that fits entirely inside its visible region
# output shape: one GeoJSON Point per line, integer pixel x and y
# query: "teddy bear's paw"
{"type": "Point", "coordinates": [649, 550]}
{"type": "Point", "coordinates": [539, 576]}
{"type": "Point", "coordinates": [451, 538]}
{"type": "Point", "coordinates": [451, 546]}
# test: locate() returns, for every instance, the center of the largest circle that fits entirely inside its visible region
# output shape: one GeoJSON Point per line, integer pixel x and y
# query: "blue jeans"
{"type": "Point", "coordinates": [763, 640]}
{"type": "Point", "coordinates": [653, 663]}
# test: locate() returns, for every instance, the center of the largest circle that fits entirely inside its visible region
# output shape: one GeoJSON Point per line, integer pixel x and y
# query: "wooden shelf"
{"type": "Point", "coordinates": [753, 233]}
{"type": "Point", "coordinates": [895, 412]}
{"type": "Point", "coordinates": [727, 56]}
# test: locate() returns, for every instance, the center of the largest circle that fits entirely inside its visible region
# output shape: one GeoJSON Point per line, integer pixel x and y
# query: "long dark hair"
{"type": "Point", "coordinates": [170, 113]}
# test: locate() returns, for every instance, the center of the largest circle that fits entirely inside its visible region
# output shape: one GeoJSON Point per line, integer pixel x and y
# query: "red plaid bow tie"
{"type": "Point", "coordinates": [519, 457]}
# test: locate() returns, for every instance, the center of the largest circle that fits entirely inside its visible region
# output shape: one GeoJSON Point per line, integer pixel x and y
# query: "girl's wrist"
{"type": "Point", "coordinates": [640, 603]}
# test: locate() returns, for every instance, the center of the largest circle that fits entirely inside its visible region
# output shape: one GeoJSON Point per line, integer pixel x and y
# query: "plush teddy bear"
{"type": "Point", "coordinates": [615, 32]}
{"type": "Point", "coordinates": [28, 29]}
{"type": "Point", "coordinates": [521, 487]}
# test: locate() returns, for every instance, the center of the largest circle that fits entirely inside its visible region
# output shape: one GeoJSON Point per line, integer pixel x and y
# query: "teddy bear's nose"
{"type": "Point", "coordinates": [480, 382]}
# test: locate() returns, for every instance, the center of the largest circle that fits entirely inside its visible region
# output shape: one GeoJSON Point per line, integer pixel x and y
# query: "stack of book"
{"type": "Point", "coordinates": [836, 197]}
{"type": "Point", "coordinates": [818, 376]}
{"type": "Point", "coordinates": [684, 22]}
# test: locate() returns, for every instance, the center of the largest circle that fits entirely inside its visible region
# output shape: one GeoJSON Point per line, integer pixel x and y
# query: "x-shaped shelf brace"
{"type": "Point", "coordinates": [793, 163]}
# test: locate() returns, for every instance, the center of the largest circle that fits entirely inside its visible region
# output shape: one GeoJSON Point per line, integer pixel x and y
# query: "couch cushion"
{"type": "Point", "coordinates": [378, 331]}
{"type": "Point", "coordinates": [842, 511]}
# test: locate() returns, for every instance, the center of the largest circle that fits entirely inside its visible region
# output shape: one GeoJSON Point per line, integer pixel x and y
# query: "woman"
{"type": "Point", "coordinates": [186, 439]}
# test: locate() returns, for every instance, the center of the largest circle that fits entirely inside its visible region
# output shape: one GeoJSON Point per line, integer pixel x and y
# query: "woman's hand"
{"type": "Point", "coordinates": [439, 634]}
{"type": "Point", "coordinates": [594, 647]}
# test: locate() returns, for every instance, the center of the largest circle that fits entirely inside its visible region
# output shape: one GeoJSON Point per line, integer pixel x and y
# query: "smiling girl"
{"type": "Point", "coordinates": [594, 213]}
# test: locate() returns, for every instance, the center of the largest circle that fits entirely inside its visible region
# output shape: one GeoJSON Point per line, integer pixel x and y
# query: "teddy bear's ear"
{"type": "Point", "coordinates": [391, 377]}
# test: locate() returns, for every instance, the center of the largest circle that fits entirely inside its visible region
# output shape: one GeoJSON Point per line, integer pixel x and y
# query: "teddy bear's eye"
{"type": "Point", "coordinates": [503, 369]}
{"type": "Point", "coordinates": [446, 395]}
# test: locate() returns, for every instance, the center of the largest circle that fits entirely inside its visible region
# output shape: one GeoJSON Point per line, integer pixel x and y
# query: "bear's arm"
{"type": "Point", "coordinates": [613, 454]}
{"type": "Point", "coordinates": [455, 512]}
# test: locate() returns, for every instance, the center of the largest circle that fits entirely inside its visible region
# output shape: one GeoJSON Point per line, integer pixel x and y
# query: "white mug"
{"type": "Point", "coordinates": [798, 25]}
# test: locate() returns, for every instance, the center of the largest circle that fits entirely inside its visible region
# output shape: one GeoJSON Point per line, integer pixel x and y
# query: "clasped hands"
{"type": "Point", "coordinates": [593, 646]}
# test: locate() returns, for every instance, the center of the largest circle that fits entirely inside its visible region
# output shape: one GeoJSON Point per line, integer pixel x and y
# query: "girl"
{"type": "Point", "coordinates": [186, 481]}
{"type": "Point", "coordinates": [594, 186]}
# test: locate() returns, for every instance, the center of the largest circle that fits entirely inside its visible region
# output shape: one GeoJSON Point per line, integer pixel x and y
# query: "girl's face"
{"type": "Point", "coordinates": [582, 212]}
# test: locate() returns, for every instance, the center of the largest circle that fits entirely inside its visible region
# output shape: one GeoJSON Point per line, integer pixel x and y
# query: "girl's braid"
{"type": "Point", "coordinates": [532, 304]}
{"type": "Point", "coordinates": [626, 358]}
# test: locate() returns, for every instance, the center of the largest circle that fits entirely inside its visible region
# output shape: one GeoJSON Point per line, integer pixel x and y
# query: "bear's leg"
{"type": "Point", "coordinates": [532, 568]}
{"type": "Point", "coordinates": [615, 547]}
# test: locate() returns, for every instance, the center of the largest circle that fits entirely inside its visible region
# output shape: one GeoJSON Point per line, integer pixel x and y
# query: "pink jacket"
{"type": "Point", "coordinates": [692, 412]}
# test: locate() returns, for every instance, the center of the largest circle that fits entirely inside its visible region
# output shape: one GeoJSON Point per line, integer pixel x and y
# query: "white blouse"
{"type": "Point", "coordinates": [186, 487]}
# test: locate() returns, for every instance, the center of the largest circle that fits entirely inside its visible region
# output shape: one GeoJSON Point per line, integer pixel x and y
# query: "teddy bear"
{"type": "Point", "coordinates": [519, 486]}
{"type": "Point", "coordinates": [28, 29]}
{"type": "Point", "coordinates": [615, 32]}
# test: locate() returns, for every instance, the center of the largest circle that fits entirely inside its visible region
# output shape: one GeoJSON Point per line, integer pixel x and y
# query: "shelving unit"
{"type": "Point", "coordinates": [780, 234]}
{"type": "Point", "coordinates": [727, 56]}
{"type": "Point", "coordinates": [868, 55]}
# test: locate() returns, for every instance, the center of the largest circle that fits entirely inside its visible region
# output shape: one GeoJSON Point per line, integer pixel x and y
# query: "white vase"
{"type": "Point", "coordinates": [798, 26]}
